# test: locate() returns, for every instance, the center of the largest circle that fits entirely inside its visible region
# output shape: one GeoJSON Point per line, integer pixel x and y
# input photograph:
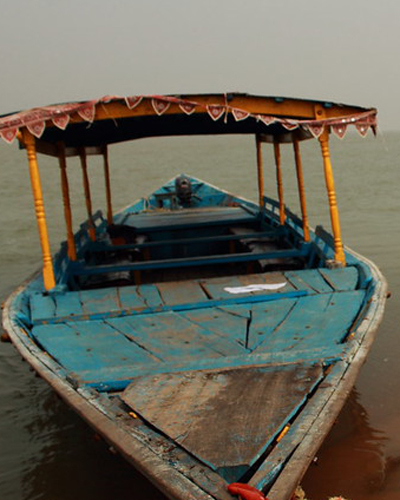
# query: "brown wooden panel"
{"type": "Point", "coordinates": [224, 417]}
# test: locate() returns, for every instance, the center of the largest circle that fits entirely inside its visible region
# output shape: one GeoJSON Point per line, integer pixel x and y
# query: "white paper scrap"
{"type": "Point", "coordinates": [254, 288]}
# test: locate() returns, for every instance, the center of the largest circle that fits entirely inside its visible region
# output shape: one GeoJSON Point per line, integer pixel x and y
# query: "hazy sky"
{"type": "Point", "coordinates": [341, 50]}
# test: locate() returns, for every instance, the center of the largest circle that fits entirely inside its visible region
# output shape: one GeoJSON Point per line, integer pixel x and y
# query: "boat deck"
{"type": "Point", "coordinates": [104, 338]}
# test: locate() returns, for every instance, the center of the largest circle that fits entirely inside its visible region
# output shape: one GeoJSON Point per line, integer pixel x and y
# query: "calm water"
{"type": "Point", "coordinates": [46, 452]}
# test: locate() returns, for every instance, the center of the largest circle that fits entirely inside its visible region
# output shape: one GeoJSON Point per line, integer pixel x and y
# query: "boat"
{"type": "Point", "coordinates": [211, 340]}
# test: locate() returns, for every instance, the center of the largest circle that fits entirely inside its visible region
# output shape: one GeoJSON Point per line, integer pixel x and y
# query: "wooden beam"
{"type": "Point", "coordinates": [48, 271]}
{"type": "Point", "coordinates": [108, 185]}
{"type": "Point", "coordinates": [66, 201]}
{"type": "Point", "coordinates": [279, 183]}
{"type": "Point", "coordinates": [301, 189]}
{"type": "Point", "coordinates": [86, 187]}
{"type": "Point", "coordinates": [260, 174]}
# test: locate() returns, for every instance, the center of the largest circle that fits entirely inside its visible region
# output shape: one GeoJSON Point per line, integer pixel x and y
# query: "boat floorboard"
{"type": "Point", "coordinates": [246, 408]}
{"type": "Point", "coordinates": [108, 351]}
{"type": "Point", "coordinates": [121, 300]}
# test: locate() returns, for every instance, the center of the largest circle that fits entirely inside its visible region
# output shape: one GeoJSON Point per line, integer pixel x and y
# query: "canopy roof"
{"type": "Point", "coordinates": [112, 119]}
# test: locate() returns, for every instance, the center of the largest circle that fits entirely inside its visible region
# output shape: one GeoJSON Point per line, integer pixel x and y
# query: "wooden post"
{"type": "Point", "coordinates": [260, 173]}
{"type": "Point", "coordinates": [279, 183]}
{"type": "Point", "coordinates": [302, 193]}
{"type": "Point", "coordinates": [333, 209]}
{"type": "Point", "coordinates": [48, 271]}
{"type": "Point", "coordinates": [86, 187]}
{"type": "Point", "coordinates": [108, 185]}
{"type": "Point", "coordinates": [66, 201]}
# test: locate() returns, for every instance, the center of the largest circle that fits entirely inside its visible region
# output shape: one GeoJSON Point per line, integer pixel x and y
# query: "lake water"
{"type": "Point", "coordinates": [48, 453]}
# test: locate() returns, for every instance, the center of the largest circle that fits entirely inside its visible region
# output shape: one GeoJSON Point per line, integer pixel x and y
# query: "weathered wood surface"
{"type": "Point", "coordinates": [109, 352]}
{"type": "Point", "coordinates": [136, 298]}
{"type": "Point", "coordinates": [188, 218]}
{"type": "Point", "coordinates": [245, 409]}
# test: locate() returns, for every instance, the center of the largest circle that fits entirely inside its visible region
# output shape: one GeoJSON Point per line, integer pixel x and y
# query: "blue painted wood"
{"type": "Point", "coordinates": [151, 296]}
{"type": "Point", "coordinates": [341, 279]}
{"type": "Point", "coordinates": [82, 270]}
{"type": "Point", "coordinates": [170, 336]}
{"type": "Point", "coordinates": [181, 292]}
{"type": "Point", "coordinates": [68, 304]}
{"type": "Point", "coordinates": [327, 354]}
{"type": "Point", "coordinates": [188, 218]}
{"type": "Point", "coordinates": [308, 279]}
{"type": "Point", "coordinates": [224, 322]}
{"type": "Point", "coordinates": [130, 298]}
{"type": "Point", "coordinates": [153, 304]}
{"type": "Point", "coordinates": [266, 318]}
{"type": "Point", "coordinates": [315, 320]}
{"type": "Point", "coordinates": [100, 300]}
{"type": "Point", "coordinates": [91, 347]}
{"type": "Point", "coordinates": [42, 307]}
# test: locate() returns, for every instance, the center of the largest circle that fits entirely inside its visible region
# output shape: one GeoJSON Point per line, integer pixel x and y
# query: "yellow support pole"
{"type": "Point", "coordinates": [86, 187]}
{"type": "Point", "coordinates": [260, 173]}
{"type": "Point", "coordinates": [279, 183]}
{"type": "Point", "coordinates": [302, 192]}
{"type": "Point", "coordinates": [333, 209]}
{"type": "Point", "coordinates": [108, 185]}
{"type": "Point", "coordinates": [48, 271]}
{"type": "Point", "coordinates": [67, 203]}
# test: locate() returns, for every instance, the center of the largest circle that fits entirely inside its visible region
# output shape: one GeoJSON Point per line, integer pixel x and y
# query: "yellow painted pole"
{"type": "Point", "coordinates": [67, 203]}
{"type": "Point", "coordinates": [301, 189]}
{"type": "Point", "coordinates": [333, 209]}
{"type": "Point", "coordinates": [260, 173]}
{"type": "Point", "coordinates": [48, 271]}
{"type": "Point", "coordinates": [86, 187]}
{"type": "Point", "coordinates": [108, 185]}
{"type": "Point", "coordinates": [279, 183]}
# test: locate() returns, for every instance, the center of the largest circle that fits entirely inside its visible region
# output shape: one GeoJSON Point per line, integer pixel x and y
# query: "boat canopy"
{"type": "Point", "coordinates": [112, 119]}
{"type": "Point", "coordinates": [85, 128]}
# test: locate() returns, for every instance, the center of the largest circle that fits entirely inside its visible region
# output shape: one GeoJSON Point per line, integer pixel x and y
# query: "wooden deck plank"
{"type": "Point", "coordinates": [150, 295]}
{"type": "Point", "coordinates": [246, 408]}
{"type": "Point", "coordinates": [181, 292]}
{"type": "Point", "coordinates": [275, 461]}
{"type": "Point", "coordinates": [265, 319]}
{"type": "Point", "coordinates": [42, 307]}
{"type": "Point", "coordinates": [130, 298]}
{"type": "Point", "coordinates": [159, 220]}
{"type": "Point", "coordinates": [315, 320]}
{"type": "Point", "coordinates": [100, 300]}
{"type": "Point", "coordinates": [225, 323]}
{"type": "Point", "coordinates": [68, 304]}
{"type": "Point", "coordinates": [308, 278]}
{"type": "Point", "coordinates": [91, 346]}
{"type": "Point", "coordinates": [170, 336]}
{"type": "Point", "coordinates": [342, 279]}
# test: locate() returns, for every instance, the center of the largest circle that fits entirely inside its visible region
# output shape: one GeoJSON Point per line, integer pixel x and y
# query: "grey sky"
{"type": "Point", "coordinates": [342, 50]}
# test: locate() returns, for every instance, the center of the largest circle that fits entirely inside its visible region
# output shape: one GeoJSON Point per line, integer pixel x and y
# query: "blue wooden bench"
{"type": "Point", "coordinates": [79, 269]}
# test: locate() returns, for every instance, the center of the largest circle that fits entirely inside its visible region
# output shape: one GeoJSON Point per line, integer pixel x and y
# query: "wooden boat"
{"type": "Point", "coordinates": [211, 340]}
